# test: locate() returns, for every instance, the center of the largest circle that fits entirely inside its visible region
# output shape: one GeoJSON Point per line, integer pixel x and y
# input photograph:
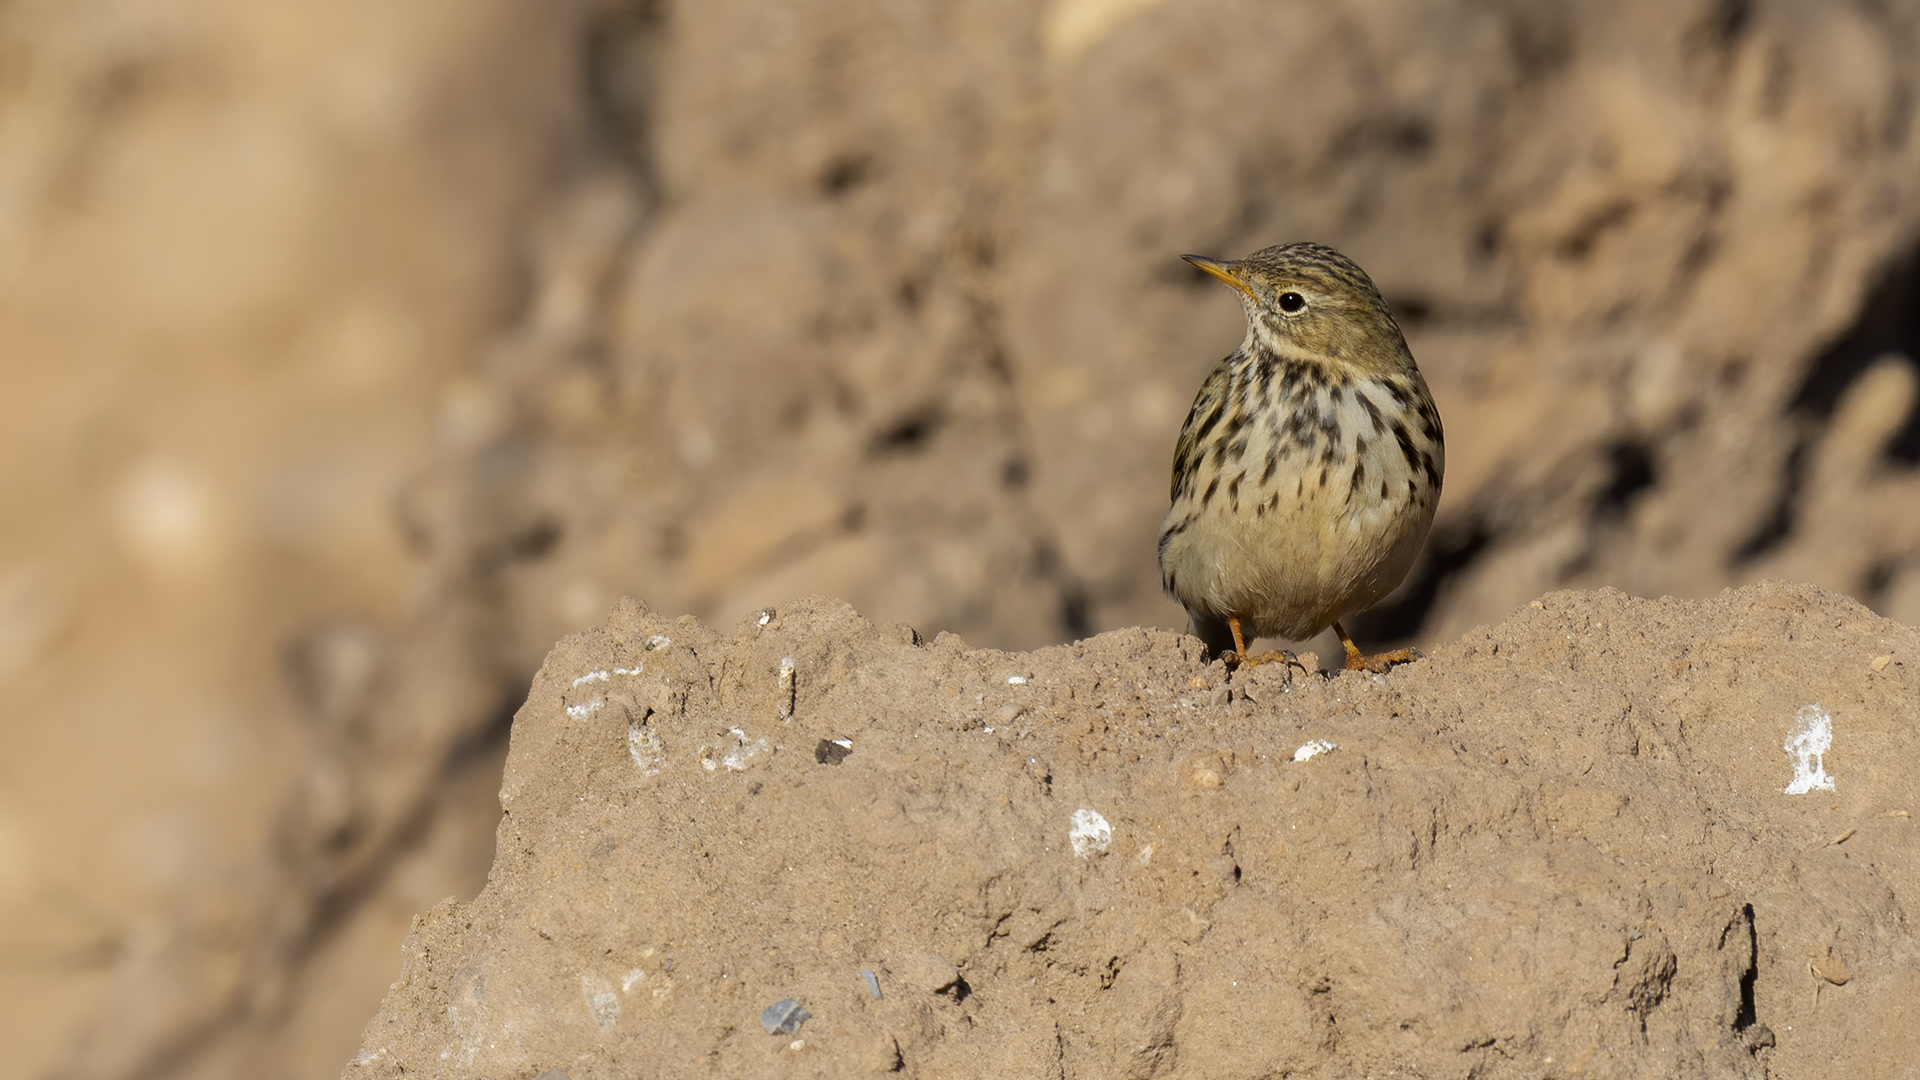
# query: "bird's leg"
{"type": "Point", "coordinates": [1377, 663]}
{"type": "Point", "coordinates": [1239, 643]}
{"type": "Point", "coordinates": [1240, 657]}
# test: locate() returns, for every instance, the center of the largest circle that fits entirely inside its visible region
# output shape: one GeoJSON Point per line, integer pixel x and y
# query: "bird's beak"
{"type": "Point", "coordinates": [1221, 269]}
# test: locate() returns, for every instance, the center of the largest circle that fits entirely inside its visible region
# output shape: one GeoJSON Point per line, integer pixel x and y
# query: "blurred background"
{"type": "Point", "coordinates": [353, 352]}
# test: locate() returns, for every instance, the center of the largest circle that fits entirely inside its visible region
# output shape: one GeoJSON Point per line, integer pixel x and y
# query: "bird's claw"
{"type": "Point", "coordinates": [1379, 663]}
{"type": "Point", "coordinates": [1242, 660]}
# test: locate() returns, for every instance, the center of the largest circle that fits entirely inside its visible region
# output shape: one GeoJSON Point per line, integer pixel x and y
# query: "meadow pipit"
{"type": "Point", "coordinates": [1306, 476]}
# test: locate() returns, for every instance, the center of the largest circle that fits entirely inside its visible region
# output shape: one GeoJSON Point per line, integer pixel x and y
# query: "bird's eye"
{"type": "Point", "coordinates": [1292, 303]}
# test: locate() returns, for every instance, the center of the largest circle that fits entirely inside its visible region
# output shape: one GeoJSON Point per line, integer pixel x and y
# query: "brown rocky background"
{"type": "Point", "coordinates": [356, 352]}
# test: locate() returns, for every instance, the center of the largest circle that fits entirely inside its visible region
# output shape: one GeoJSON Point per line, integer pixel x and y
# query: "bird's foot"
{"type": "Point", "coordinates": [1238, 657]}
{"type": "Point", "coordinates": [1242, 660]}
{"type": "Point", "coordinates": [1378, 663]}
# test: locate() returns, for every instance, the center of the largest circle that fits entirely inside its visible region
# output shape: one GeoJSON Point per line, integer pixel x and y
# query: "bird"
{"type": "Point", "coordinates": [1307, 473]}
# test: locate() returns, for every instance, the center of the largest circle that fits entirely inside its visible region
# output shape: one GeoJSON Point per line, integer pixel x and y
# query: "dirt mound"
{"type": "Point", "coordinates": [1608, 837]}
{"type": "Point", "coordinates": [357, 352]}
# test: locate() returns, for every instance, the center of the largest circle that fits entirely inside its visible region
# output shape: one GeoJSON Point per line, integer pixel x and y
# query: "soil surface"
{"type": "Point", "coordinates": [1608, 837]}
{"type": "Point", "coordinates": [355, 352]}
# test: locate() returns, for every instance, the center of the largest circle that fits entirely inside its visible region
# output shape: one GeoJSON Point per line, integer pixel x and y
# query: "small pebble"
{"type": "Point", "coordinates": [784, 702]}
{"type": "Point", "coordinates": [784, 1017]}
{"type": "Point", "coordinates": [1313, 748]}
{"type": "Point", "coordinates": [873, 982]}
{"type": "Point", "coordinates": [1880, 663]}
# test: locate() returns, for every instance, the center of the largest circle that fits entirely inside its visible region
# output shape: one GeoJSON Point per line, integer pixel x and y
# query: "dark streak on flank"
{"type": "Point", "coordinates": [1432, 470]}
{"type": "Point", "coordinates": [1235, 424]}
{"type": "Point", "coordinates": [1431, 416]}
{"type": "Point", "coordinates": [1207, 425]}
{"type": "Point", "coordinates": [1373, 413]}
{"type": "Point", "coordinates": [1407, 450]}
{"type": "Point", "coordinates": [1429, 423]}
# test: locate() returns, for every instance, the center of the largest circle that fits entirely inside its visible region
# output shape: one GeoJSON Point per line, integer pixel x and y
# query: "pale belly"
{"type": "Point", "coordinates": [1292, 572]}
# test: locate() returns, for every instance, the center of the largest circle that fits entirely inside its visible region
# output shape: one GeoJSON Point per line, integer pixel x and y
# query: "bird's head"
{"type": "Point", "coordinates": [1308, 301]}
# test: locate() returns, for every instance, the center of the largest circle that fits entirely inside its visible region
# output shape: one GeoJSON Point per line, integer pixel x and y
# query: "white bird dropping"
{"type": "Point", "coordinates": [1812, 736]}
